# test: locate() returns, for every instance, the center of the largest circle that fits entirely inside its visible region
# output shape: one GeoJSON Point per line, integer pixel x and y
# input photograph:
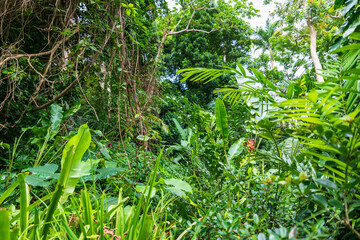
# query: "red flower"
{"type": "Point", "coordinates": [250, 144]}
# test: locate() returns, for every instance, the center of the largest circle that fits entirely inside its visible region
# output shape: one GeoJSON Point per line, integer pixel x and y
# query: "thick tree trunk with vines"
{"type": "Point", "coordinates": [314, 55]}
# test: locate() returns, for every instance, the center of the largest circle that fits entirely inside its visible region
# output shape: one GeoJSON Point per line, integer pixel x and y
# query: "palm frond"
{"type": "Point", "coordinates": [248, 87]}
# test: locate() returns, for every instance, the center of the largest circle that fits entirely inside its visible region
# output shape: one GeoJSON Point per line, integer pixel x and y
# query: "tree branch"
{"type": "Point", "coordinates": [188, 25]}
{"type": "Point", "coordinates": [191, 30]}
{"type": "Point", "coordinates": [56, 46]}
{"type": "Point", "coordinates": [85, 70]}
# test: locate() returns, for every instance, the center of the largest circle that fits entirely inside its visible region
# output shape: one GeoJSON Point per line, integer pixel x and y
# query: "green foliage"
{"type": "Point", "coordinates": [113, 217]}
{"type": "Point", "coordinates": [246, 90]}
{"type": "Point", "coordinates": [224, 23]}
{"type": "Point", "coordinates": [4, 224]}
{"type": "Point", "coordinates": [71, 171]}
{"type": "Point", "coordinates": [316, 157]}
{"type": "Point", "coordinates": [263, 37]}
{"type": "Point", "coordinates": [221, 118]}
{"type": "Point", "coordinates": [304, 25]}
{"type": "Point", "coordinates": [274, 156]}
{"type": "Point", "coordinates": [350, 12]}
{"type": "Point", "coordinates": [41, 174]}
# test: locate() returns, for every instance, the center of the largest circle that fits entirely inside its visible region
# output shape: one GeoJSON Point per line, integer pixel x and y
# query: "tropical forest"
{"type": "Point", "coordinates": [179, 119]}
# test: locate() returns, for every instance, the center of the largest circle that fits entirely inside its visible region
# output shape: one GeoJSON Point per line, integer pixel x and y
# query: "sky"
{"type": "Point", "coordinates": [265, 11]}
{"type": "Point", "coordinates": [264, 14]}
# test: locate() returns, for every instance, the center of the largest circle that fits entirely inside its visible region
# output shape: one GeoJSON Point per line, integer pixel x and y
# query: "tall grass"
{"type": "Point", "coordinates": [64, 214]}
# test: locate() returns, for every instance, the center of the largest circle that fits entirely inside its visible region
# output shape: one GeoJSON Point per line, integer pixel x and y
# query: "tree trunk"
{"type": "Point", "coordinates": [224, 54]}
{"type": "Point", "coordinates": [313, 52]}
{"type": "Point", "coordinates": [272, 62]}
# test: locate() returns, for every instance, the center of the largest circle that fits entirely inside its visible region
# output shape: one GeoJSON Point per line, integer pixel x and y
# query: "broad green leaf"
{"type": "Point", "coordinates": [256, 219]}
{"type": "Point", "coordinates": [176, 191]}
{"type": "Point", "coordinates": [355, 35]}
{"type": "Point", "coordinates": [337, 204]}
{"type": "Point", "coordinates": [266, 124]}
{"type": "Point", "coordinates": [348, 47]}
{"type": "Point", "coordinates": [47, 171]}
{"type": "Point", "coordinates": [142, 138]}
{"type": "Point", "coordinates": [302, 188]}
{"type": "Point", "coordinates": [56, 117]}
{"type": "Point", "coordinates": [180, 129]}
{"type": "Point", "coordinates": [326, 183]}
{"type": "Point", "coordinates": [103, 149]}
{"type": "Point", "coordinates": [37, 181]}
{"type": "Point", "coordinates": [80, 143]}
{"type": "Point", "coordinates": [267, 135]}
{"type": "Point", "coordinates": [98, 132]}
{"type": "Point", "coordinates": [108, 172]}
{"type": "Point", "coordinates": [145, 191]}
{"type": "Point", "coordinates": [4, 145]}
{"type": "Point", "coordinates": [320, 199]}
{"type": "Point", "coordinates": [177, 183]}
{"type": "Point", "coordinates": [72, 110]}
{"type": "Point", "coordinates": [283, 232]}
{"type": "Point", "coordinates": [71, 171]}
{"type": "Point", "coordinates": [290, 90]}
{"type": "Point", "coordinates": [272, 235]}
{"type": "Point", "coordinates": [110, 164]}
{"type": "Point", "coordinates": [221, 118]}
{"type": "Point", "coordinates": [313, 96]}
{"type": "Point", "coordinates": [261, 236]}
{"type": "Point", "coordinates": [236, 148]}
{"type": "Point", "coordinates": [319, 224]}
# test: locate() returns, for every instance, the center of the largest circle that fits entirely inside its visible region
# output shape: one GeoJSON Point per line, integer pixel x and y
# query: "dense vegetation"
{"type": "Point", "coordinates": [132, 120]}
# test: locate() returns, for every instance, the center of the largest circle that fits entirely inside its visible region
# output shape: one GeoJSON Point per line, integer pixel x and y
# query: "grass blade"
{"type": "Point", "coordinates": [8, 191]}
{"type": "Point", "coordinates": [4, 225]}
{"type": "Point", "coordinates": [24, 203]}
{"type": "Point", "coordinates": [70, 163]}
